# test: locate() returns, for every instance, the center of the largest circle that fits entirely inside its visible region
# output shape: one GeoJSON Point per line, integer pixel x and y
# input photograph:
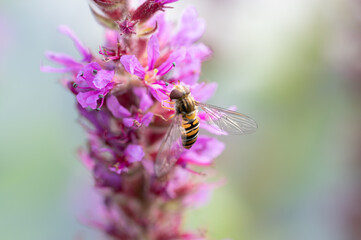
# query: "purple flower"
{"type": "Point", "coordinates": [145, 100]}
{"type": "Point", "coordinates": [134, 153]}
{"type": "Point", "coordinates": [130, 120]}
{"type": "Point", "coordinates": [138, 120]}
{"type": "Point", "coordinates": [204, 152]}
{"type": "Point", "coordinates": [189, 70]}
{"type": "Point", "coordinates": [150, 75]}
{"type": "Point", "coordinates": [203, 91]}
{"type": "Point", "coordinates": [128, 83]}
{"type": "Point", "coordinates": [70, 64]}
{"type": "Point", "coordinates": [93, 84]}
{"type": "Point", "coordinates": [84, 51]}
{"type": "Point", "coordinates": [191, 28]}
{"type": "Point", "coordinates": [117, 110]}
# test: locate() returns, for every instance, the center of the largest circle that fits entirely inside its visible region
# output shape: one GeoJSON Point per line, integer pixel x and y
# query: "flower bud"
{"type": "Point", "coordinates": [127, 26]}
{"type": "Point", "coordinates": [149, 8]}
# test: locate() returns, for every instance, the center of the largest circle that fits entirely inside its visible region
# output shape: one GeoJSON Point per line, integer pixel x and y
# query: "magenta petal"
{"type": "Point", "coordinates": [145, 100]}
{"type": "Point", "coordinates": [132, 65]}
{"type": "Point", "coordinates": [147, 119]}
{"type": "Point", "coordinates": [134, 153]}
{"type": "Point", "coordinates": [88, 72]}
{"type": "Point", "coordinates": [199, 51]}
{"type": "Point", "coordinates": [203, 151]}
{"type": "Point", "coordinates": [200, 197]}
{"type": "Point", "coordinates": [158, 95]}
{"type": "Point", "coordinates": [63, 59]}
{"type": "Point", "coordinates": [86, 159]}
{"type": "Point", "coordinates": [128, 122]}
{"type": "Point", "coordinates": [164, 28]}
{"type": "Point", "coordinates": [191, 28]}
{"type": "Point", "coordinates": [203, 91]}
{"type": "Point", "coordinates": [152, 51]}
{"type": "Point", "coordinates": [117, 110]}
{"type": "Point", "coordinates": [78, 44]}
{"type": "Point", "coordinates": [175, 58]}
{"type": "Point", "coordinates": [103, 78]}
{"type": "Point", "coordinates": [88, 99]}
{"type": "Point", "coordinates": [71, 65]}
{"type": "Point", "coordinates": [111, 38]}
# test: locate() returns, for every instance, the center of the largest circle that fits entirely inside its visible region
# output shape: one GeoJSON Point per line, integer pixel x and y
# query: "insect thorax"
{"type": "Point", "coordinates": [185, 105]}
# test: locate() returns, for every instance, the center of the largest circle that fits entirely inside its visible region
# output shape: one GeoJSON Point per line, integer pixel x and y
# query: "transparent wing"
{"type": "Point", "coordinates": [171, 148]}
{"type": "Point", "coordinates": [228, 121]}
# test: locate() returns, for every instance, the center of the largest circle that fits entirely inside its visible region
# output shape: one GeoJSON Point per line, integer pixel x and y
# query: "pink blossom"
{"type": "Point", "coordinates": [128, 83]}
{"type": "Point", "coordinates": [93, 83]}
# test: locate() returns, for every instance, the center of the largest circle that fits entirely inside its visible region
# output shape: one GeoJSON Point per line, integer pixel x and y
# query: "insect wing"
{"type": "Point", "coordinates": [171, 148]}
{"type": "Point", "coordinates": [228, 121]}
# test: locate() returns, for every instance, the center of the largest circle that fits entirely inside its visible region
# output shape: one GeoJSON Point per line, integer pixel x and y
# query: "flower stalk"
{"type": "Point", "coordinates": [121, 93]}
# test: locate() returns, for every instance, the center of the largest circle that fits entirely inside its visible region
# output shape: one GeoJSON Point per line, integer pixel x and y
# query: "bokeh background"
{"type": "Point", "coordinates": [293, 65]}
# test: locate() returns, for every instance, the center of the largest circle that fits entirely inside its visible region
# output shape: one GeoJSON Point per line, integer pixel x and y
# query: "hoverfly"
{"type": "Point", "coordinates": [184, 129]}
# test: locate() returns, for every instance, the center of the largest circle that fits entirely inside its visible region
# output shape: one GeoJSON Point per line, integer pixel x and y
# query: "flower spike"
{"type": "Point", "coordinates": [123, 99]}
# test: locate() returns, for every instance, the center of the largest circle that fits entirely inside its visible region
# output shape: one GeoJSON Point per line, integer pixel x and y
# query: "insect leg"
{"type": "Point", "coordinates": [165, 119]}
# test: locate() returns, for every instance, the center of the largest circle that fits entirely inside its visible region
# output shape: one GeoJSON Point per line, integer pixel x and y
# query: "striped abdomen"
{"type": "Point", "coordinates": [191, 126]}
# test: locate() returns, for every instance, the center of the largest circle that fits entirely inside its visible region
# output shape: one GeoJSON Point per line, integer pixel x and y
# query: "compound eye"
{"type": "Point", "coordinates": [175, 94]}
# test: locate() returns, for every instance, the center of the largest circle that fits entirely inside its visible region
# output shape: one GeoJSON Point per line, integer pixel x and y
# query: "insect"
{"type": "Point", "coordinates": [184, 129]}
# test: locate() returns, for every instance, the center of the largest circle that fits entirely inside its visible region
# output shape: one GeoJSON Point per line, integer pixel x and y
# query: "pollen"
{"type": "Point", "coordinates": [146, 77]}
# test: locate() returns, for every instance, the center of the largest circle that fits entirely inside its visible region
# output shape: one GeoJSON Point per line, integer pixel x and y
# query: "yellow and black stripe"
{"type": "Point", "coordinates": [191, 127]}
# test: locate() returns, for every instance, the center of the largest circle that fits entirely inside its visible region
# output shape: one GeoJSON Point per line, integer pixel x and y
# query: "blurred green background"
{"type": "Point", "coordinates": [290, 64]}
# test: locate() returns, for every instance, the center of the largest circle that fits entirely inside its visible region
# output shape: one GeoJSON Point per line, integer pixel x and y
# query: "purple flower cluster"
{"type": "Point", "coordinates": [121, 91]}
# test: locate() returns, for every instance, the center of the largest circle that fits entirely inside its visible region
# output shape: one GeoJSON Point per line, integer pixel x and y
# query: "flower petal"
{"type": "Point", "coordinates": [160, 96]}
{"type": "Point", "coordinates": [132, 65]}
{"type": "Point", "coordinates": [145, 100]}
{"type": "Point", "coordinates": [86, 159]}
{"type": "Point", "coordinates": [103, 78]}
{"type": "Point", "coordinates": [203, 91]}
{"type": "Point", "coordinates": [189, 70]}
{"type": "Point", "coordinates": [164, 28]}
{"type": "Point", "coordinates": [152, 51]}
{"type": "Point", "coordinates": [204, 151]}
{"type": "Point", "coordinates": [89, 71]}
{"type": "Point", "coordinates": [128, 122]}
{"type": "Point", "coordinates": [63, 59]}
{"type": "Point", "coordinates": [191, 28]}
{"type": "Point", "coordinates": [117, 110]}
{"type": "Point", "coordinates": [175, 58]}
{"type": "Point", "coordinates": [147, 119]}
{"type": "Point", "coordinates": [78, 44]}
{"type": "Point", "coordinates": [134, 153]}
{"type": "Point", "coordinates": [88, 99]}
{"type": "Point", "coordinates": [86, 76]}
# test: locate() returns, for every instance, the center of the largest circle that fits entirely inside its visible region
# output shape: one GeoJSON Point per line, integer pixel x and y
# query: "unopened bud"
{"type": "Point", "coordinates": [149, 8]}
{"type": "Point", "coordinates": [127, 26]}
